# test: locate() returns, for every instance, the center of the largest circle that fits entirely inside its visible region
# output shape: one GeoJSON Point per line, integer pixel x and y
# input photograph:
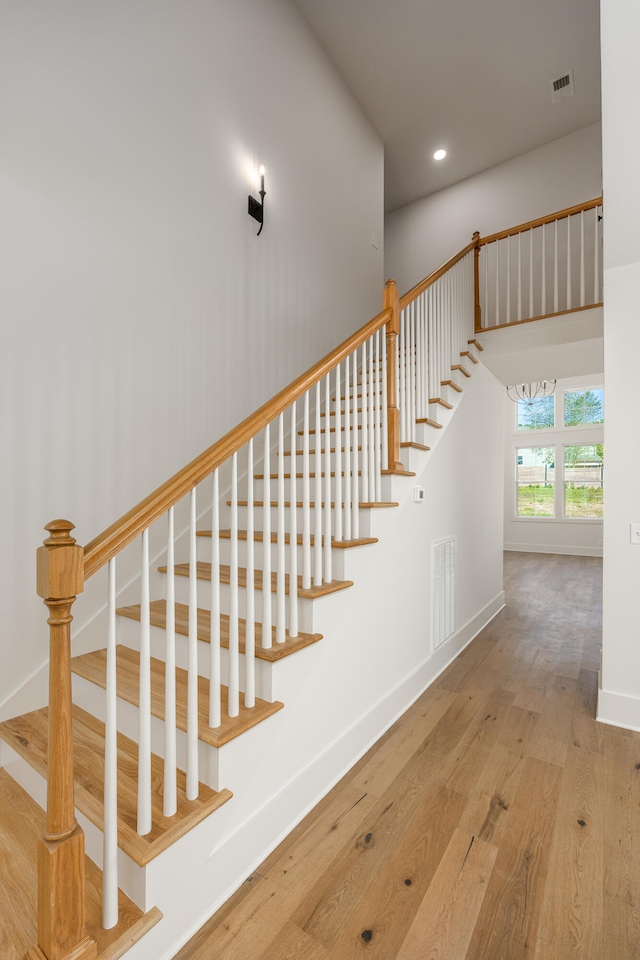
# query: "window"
{"type": "Point", "coordinates": [583, 406]}
{"type": "Point", "coordinates": [537, 416]}
{"type": "Point", "coordinates": [535, 472]}
{"type": "Point", "coordinates": [584, 480]}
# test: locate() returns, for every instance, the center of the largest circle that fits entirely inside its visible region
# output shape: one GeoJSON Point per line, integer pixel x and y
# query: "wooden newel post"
{"type": "Point", "coordinates": [61, 888]}
{"type": "Point", "coordinates": [391, 299]}
{"type": "Point", "coordinates": [477, 313]}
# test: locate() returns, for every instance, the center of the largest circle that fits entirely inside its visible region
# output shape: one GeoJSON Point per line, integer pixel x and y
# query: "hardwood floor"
{"type": "Point", "coordinates": [496, 820]}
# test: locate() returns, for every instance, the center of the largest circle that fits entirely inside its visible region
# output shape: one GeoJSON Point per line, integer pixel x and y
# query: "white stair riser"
{"type": "Point", "coordinates": [364, 522]}
{"type": "Point", "coordinates": [338, 558]}
{"type": "Point", "coordinates": [129, 636]}
{"type": "Point", "coordinates": [305, 605]}
{"type": "Point", "coordinates": [91, 698]}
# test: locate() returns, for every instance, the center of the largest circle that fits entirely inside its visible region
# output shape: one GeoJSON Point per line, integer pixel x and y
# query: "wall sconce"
{"type": "Point", "coordinates": [256, 210]}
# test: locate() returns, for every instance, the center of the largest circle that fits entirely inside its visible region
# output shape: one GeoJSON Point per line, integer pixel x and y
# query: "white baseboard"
{"type": "Point", "coordinates": [554, 548]}
{"type": "Point", "coordinates": [618, 709]}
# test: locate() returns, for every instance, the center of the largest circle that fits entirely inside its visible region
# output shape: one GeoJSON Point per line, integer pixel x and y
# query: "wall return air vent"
{"type": "Point", "coordinates": [562, 87]}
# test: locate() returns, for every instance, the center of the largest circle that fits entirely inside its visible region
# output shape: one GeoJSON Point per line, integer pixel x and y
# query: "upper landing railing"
{"type": "Point", "coordinates": [543, 268]}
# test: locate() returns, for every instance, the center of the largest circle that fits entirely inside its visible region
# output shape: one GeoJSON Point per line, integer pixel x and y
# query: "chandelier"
{"type": "Point", "coordinates": [529, 393]}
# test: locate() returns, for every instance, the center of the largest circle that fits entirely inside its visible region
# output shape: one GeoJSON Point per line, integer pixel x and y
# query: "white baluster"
{"type": "Point", "coordinates": [431, 344]}
{"type": "Point", "coordinates": [306, 497]}
{"type": "Point", "coordinates": [234, 652]}
{"type": "Point", "coordinates": [338, 456]}
{"type": "Point", "coordinates": [413, 361]}
{"type": "Point", "coordinates": [497, 283]}
{"type": "Point", "coordinates": [281, 602]}
{"type": "Point", "coordinates": [568, 263]}
{"type": "Point", "coordinates": [543, 290]}
{"type": "Point", "coordinates": [170, 797]}
{"type": "Point", "coordinates": [293, 527]}
{"type": "Point", "coordinates": [328, 574]}
{"type": "Point", "coordinates": [582, 282]}
{"type": "Point", "coordinates": [357, 440]}
{"type": "Point", "coordinates": [215, 709]}
{"type": "Point", "coordinates": [530, 273]}
{"type": "Point", "coordinates": [555, 266]}
{"type": "Point", "coordinates": [485, 315]}
{"type": "Point", "coordinates": [402, 383]}
{"type": "Point", "coordinates": [379, 418]}
{"type": "Point", "coordinates": [250, 620]}
{"type": "Point", "coordinates": [367, 377]}
{"type": "Point", "coordinates": [110, 832]}
{"type": "Point", "coordinates": [508, 279]}
{"type": "Point", "coordinates": [373, 416]}
{"type": "Point", "coordinates": [347, 449]}
{"type": "Point", "coordinates": [519, 276]}
{"type": "Point", "coordinates": [596, 258]}
{"type": "Point", "coordinates": [144, 709]}
{"type": "Point", "coordinates": [317, 516]}
{"type": "Point", "coordinates": [192, 660]}
{"type": "Point", "coordinates": [266, 540]}
{"type": "Point", "coordinates": [385, 436]}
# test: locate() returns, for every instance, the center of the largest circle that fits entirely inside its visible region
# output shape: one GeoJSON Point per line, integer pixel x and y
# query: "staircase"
{"type": "Point", "coordinates": [237, 650]}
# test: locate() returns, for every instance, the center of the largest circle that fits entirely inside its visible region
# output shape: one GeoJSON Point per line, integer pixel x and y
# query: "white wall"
{"type": "Point", "coordinates": [422, 235]}
{"type": "Point", "coordinates": [142, 317]}
{"type": "Point", "coordinates": [542, 535]}
{"type": "Point", "coordinates": [619, 699]}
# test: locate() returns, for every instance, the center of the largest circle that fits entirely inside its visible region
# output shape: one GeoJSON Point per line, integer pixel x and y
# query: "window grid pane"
{"type": "Point", "coordinates": [583, 406]}
{"type": "Point", "coordinates": [584, 480]}
{"type": "Point", "coordinates": [535, 477]}
{"type": "Point", "coordinates": [539, 415]}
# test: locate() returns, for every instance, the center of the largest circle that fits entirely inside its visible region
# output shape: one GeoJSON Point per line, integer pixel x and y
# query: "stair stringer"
{"type": "Point", "coordinates": [340, 696]}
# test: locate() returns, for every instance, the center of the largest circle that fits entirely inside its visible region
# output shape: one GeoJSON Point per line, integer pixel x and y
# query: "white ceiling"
{"type": "Point", "coordinates": [471, 76]}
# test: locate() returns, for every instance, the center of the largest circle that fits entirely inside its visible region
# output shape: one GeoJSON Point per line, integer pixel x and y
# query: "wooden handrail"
{"type": "Point", "coordinates": [419, 288]}
{"type": "Point", "coordinates": [105, 546]}
{"type": "Point", "coordinates": [540, 222]}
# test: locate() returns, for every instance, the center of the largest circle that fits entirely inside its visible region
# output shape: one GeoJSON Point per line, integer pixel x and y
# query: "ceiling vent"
{"type": "Point", "coordinates": [562, 87]}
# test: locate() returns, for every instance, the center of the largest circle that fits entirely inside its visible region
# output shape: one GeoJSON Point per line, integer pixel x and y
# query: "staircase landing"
{"type": "Point", "coordinates": [21, 822]}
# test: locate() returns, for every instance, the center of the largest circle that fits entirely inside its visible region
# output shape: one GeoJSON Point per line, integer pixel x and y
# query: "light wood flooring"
{"type": "Point", "coordinates": [496, 820]}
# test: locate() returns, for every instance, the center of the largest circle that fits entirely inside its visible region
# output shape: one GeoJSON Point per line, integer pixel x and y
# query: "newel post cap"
{"type": "Point", "coordinates": [59, 563]}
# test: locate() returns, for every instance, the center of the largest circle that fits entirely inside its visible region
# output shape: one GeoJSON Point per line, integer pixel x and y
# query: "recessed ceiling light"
{"type": "Point", "coordinates": [439, 154]}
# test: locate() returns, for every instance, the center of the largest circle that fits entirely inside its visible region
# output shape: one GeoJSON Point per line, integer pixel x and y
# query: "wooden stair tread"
{"type": "Point", "coordinates": [476, 344]}
{"type": "Point", "coordinates": [430, 423]}
{"type": "Point", "coordinates": [398, 473]}
{"type": "Point", "coordinates": [92, 666]}
{"type": "Point", "coordinates": [467, 353]}
{"type": "Point", "coordinates": [443, 403]}
{"type": "Point", "coordinates": [28, 735]}
{"type": "Point", "coordinates": [21, 821]}
{"type": "Point", "coordinates": [225, 534]}
{"type": "Point", "coordinates": [158, 618]}
{"type": "Point", "coordinates": [454, 386]}
{"type": "Point", "coordinates": [358, 426]}
{"type": "Point", "coordinates": [300, 476]}
{"type": "Point", "coordinates": [312, 593]}
{"type": "Point", "coordinates": [341, 413]}
{"type": "Point", "coordinates": [312, 453]}
{"type": "Point", "coordinates": [299, 503]}
{"type": "Point", "coordinates": [458, 366]}
{"type": "Point", "coordinates": [416, 446]}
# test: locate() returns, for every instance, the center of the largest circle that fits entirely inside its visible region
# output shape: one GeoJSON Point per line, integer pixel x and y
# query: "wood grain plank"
{"type": "Point", "coordinates": [396, 893]}
{"type": "Point", "coordinates": [445, 920]}
{"type": "Point", "coordinates": [572, 918]}
{"type": "Point", "coordinates": [510, 911]}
